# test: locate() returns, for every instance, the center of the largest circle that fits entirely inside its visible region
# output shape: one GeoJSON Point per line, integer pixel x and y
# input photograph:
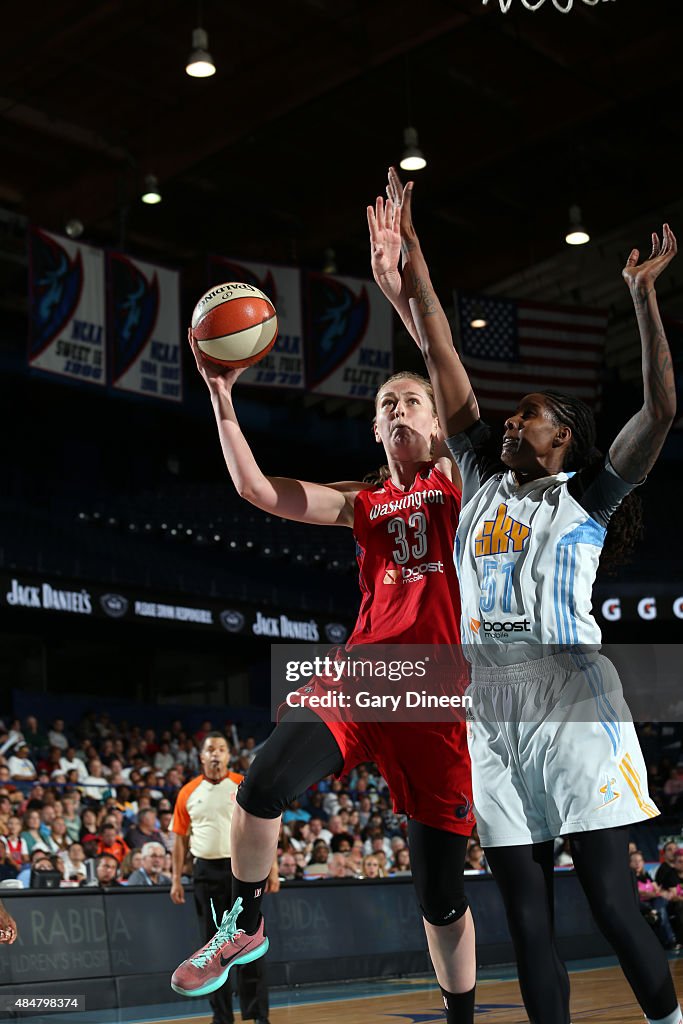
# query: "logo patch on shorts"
{"type": "Point", "coordinates": [608, 793]}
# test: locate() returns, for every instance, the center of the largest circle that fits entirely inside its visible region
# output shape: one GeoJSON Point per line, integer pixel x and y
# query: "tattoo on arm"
{"type": "Point", "coordinates": [638, 444]}
{"type": "Point", "coordinates": [424, 295]}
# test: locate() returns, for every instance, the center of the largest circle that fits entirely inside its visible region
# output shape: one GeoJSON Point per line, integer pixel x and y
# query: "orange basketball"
{"type": "Point", "coordinates": [234, 324]}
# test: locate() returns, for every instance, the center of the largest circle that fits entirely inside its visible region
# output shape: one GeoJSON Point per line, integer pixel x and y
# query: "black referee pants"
{"type": "Point", "coordinates": [213, 881]}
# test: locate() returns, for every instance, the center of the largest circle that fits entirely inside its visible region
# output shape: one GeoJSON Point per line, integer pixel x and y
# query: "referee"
{"type": "Point", "coordinates": [201, 822]}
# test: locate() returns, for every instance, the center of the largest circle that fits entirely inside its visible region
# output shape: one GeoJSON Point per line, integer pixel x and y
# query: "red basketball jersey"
{"type": "Point", "coordinates": [404, 547]}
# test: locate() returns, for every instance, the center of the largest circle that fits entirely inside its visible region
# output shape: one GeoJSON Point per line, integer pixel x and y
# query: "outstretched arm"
{"type": "Point", "coordinates": [385, 250]}
{"type": "Point", "coordinates": [300, 500]}
{"type": "Point", "coordinates": [456, 404]}
{"type": "Point", "coordinates": [635, 449]}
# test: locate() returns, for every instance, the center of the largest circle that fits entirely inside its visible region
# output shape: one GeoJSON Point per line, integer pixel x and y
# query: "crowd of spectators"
{"type": "Point", "coordinates": [91, 803]}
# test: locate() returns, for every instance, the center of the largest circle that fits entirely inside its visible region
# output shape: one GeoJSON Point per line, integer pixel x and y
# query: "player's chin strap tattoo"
{"type": "Point", "coordinates": [636, 447]}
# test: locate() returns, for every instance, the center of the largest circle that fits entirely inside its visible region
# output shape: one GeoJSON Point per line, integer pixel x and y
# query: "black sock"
{"type": "Point", "coordinates": [459, 1006]}
{"type": "Point", "coordinates": [252, 894]}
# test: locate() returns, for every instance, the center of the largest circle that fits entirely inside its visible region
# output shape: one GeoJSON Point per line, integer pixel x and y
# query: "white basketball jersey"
{"type": "Point", "coordinates": [526, 556]}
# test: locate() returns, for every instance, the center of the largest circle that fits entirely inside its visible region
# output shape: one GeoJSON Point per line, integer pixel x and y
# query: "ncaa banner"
{"type": "Point", "coordinates": [348, 336]}
{"type": "Point", "coordinates": [143, 328]}
{"type": "Point", "coordinates": [283, 367]}
{"type": "Point", "coordinates": [66, 308]}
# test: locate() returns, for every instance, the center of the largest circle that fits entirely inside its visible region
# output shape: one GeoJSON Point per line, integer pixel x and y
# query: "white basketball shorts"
{"type": "Point", "coordinates": [553, 750]}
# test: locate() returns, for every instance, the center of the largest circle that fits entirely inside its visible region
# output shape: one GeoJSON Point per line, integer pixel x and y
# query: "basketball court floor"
{"type": "Point", "coordinates": [600, 995]}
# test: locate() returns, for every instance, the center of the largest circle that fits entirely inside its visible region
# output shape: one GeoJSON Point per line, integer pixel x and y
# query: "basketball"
{"type": "Point", "coordinates": [234, 324]}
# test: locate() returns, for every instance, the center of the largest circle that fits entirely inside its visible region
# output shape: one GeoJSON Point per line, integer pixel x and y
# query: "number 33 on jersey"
{"type": "Point", "coordinates": [404, 547]}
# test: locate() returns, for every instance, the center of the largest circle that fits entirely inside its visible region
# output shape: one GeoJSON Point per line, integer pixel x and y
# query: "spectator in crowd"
{"type": "Point", "coordinates": [58, 834]}
{"type": "Point", "coordinates": [35, 737]}
{"type": "Point", "coordinates": [38, 859]}
{"type": "Point", "coordinates": [336, 866]}
{"type": "Point", "coordinates": [163, 759]}
{"type": "Point", "coordinates": [69, 762]}
{"type": "Point", "coordinates": [32, 834]}
{"type": "Point", "coordinates": [11, 738]}
{"type": "Point", "coordinates": [667, 876]}
{"type": "Point", "coordinates": [402, 862]}
{"type": "Point", "coordinates": [5, 812]}
{"type": "Point", "coordinates": [355, 858]}
{"type": "Point", "coordinates": [318, 831]}
{"type": "Point", "coordinates": [106, 871]}
{"type": "Point", "coordinates": [8, 868]}
{"type": "Point", "coordinates": [151, 870]}
{"type": "Point", "coordinates": [371, 867]}
{"type": "Point", "coordinates": [341, 842]}
{"type": "Point", "coordinates": [130, 863]}
{"type": "Point", "coordinates": [300, 835]}
{"type": "Point", "coordinates": [314, 806]}
{"type": "Point", "coordinates": [475, 859]}
{"type": "Point", "coordinates": [88, 823]}
{"type": "Point", "coordinates": [295, 812]}
{"type": "Point", "coordinates": [654, 902]}
{"type": "Point", "coordinates": [165, 831]}
{"type": "Point", "coordinates": [74, 863]}
{"type": "Point", "coordinates": [317, 865]}
{"type": "Point", "coordinates": [56, 737]}
{"type": "Point", "coordinates": [288, 867]}
{"type": "Point", "coordinates": [21, 767]}
{"type": "Point", "coordinates": [16, 844]}
{"type": "Point", "coordinates": [95, 785]}
{"type": "Point", "coordinates": [71, 818]}
{"type": "Point", "coordinates": [111, 842]}
{"type": "Point", "coordinates": [205, 728]}
{"type": "Point", "coordinates": [145, 831]}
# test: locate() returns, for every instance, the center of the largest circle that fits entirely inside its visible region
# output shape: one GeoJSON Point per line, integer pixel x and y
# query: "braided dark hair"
{"type": "Point", "coordinates": [626, 525]}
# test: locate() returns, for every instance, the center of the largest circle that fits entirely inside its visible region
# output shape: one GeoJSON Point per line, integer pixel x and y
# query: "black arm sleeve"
{"type": "Point", "coordinates": [472, 457]}
{"type": "Point", "coordinates": [600, 490]}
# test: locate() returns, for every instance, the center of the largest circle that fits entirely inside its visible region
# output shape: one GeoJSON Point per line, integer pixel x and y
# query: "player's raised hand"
{"type": "Point", "coordinates": [385, 245]}
{"type": "Point", "coordinates": [645, 274]}
{"type": "Point", "coordinates": [402, 196]}
{"type": "Point", "coordinates": [218, 379]}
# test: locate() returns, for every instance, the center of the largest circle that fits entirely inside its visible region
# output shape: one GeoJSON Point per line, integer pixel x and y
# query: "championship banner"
{"type": "Point", "coordinates": [66, 308]}
{"type": "Point", "coordinates": [143, 328]}
{"type": "Point", "coordinates": [348, 336]}
{"type": "Point", "coordinates": [283, 367]}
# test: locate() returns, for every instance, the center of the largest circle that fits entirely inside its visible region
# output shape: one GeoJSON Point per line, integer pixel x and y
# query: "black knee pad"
{"type": "Point", "coordinates": [257, 796]}
{"type": "Point", "coordinates": [444, 913]}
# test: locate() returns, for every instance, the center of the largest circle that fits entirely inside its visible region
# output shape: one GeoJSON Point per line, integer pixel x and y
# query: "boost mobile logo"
{"type": "Point", "coordinates": [411, 573]}
{"type": "Point", "coordinates": [500, 629]}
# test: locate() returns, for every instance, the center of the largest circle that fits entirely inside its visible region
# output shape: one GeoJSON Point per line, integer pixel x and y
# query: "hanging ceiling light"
{"type": "Point", "coordinates": [577, 234]}
{"type": "Point", "coordinates": [200, 63]}
{"type": "Point", "coordinates": [151, 193]}
{"type": "Point", "coordinates": [478, 320]}
{"type": "Point", "coordinates": [413, 157]}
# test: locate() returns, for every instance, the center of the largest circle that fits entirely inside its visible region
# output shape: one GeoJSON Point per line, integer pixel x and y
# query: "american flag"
{"type": "Point", "coordinates": [528, 346]}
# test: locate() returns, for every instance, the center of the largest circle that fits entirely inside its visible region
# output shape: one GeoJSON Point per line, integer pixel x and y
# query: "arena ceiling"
{"type": "Point", "coordinates": [277, 155]}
